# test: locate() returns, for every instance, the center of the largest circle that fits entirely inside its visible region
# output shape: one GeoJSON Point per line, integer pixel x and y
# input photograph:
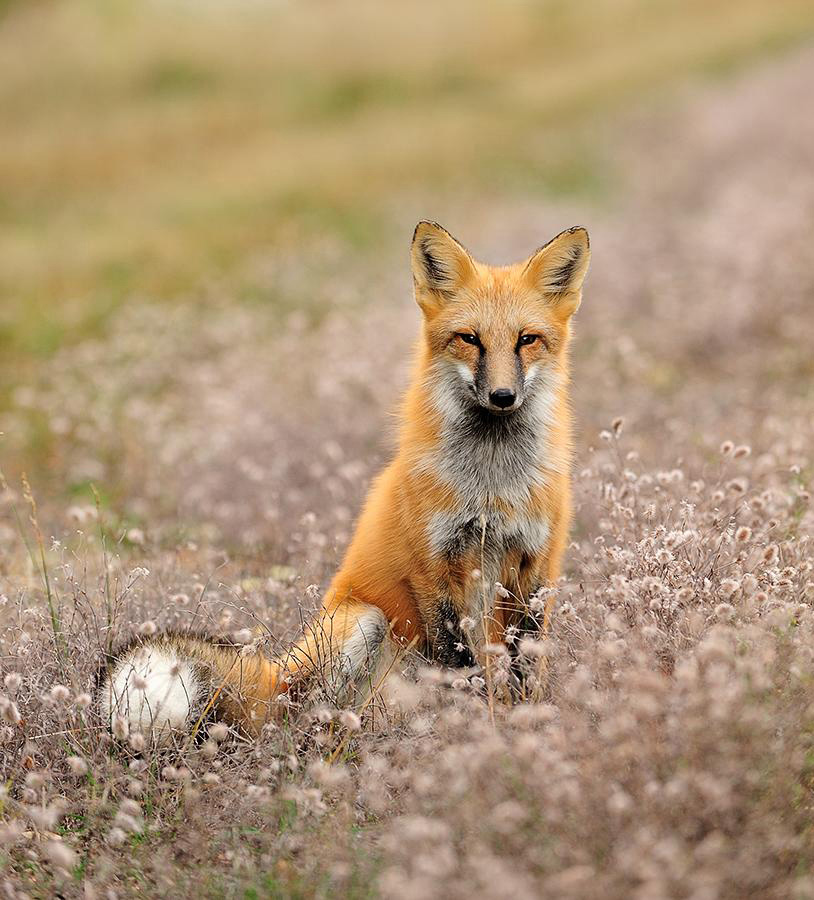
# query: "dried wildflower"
{"type": "Point", "coordinates": [83, 701]}
{"type": "Point", "coordinates": [501, 591]}
{"type": "Point", "coordinates": [35, 780]}
{"type": "Point", "coordinates": [60, 855]}
{"type": "Point", "coordinates": [743, 534]}
{"type": "Point", "coordinates": [147, 628]}
{"type": "Point", "coordinates": [121, 728]}
{"type": "Point", "coordinates": [137, 741]}
{"type": "Point", "coordinates": [9, 711]}
{"type": "Point", "coordinates": [10, 834]}
{"type": "Point", "coordinates": [135, 787]}
{"type": "Point", "coordinates": [617, 425]}
{"type": "Point", "coordinates": [116, 837]}
{"type": "Point", "coordinates": [130, 808]}
{"type": "Point", "coordinates": [771, 554]}
{"type": "Point", "coordinates": [533, 649]}
{"type": "Point", "coordinates": [243, 636]}
{"type": "Point", "coordinates": [726, 448]}
{"type": "Point", "coordinates": [741, 452]}
{"type": "Point", "coordinates": [46, 817]}
{"type": "Point", "coordinates": [219, 731]}
{"type": "Point", "coordinates": [350, 720]}
{"type": "Point", "coordinates": [730, 586]}
{"type": "Point", "coordinates": [77, 765]}
{"type": "Point", "coordinates": [12, 681]}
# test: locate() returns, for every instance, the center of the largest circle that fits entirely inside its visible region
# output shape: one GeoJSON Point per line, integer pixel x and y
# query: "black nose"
{"type": "Point", "coordinates": [502, 398]}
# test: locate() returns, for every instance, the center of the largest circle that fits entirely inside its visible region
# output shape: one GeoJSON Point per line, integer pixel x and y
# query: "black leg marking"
{"type": "Point", "coordinates": [448, 644]}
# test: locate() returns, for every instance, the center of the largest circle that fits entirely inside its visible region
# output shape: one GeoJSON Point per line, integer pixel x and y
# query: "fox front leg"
{"type": "Point", "coordinates": [446, 640]}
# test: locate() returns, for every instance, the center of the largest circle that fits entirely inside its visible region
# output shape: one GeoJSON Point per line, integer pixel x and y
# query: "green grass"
{"type": "Point", "coordinates": [156, 148]}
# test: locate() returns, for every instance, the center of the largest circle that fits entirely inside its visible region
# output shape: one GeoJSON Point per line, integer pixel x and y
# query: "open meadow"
{"type": "Point", "coordinates": [206, 323]}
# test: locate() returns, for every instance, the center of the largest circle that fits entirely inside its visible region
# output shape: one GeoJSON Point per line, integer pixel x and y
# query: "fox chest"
{"type": "Point", "coordinates": [487, 537]}
{"type": "Point", "coordinates": [493, 470]}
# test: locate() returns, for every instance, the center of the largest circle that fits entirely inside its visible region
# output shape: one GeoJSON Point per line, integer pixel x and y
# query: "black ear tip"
{"type": "Point", "coordinates": [427, 225]}
{"type": "Point", "coordinates": [582, 231]}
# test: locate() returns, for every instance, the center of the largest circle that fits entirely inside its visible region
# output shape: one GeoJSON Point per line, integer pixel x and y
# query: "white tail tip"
{"type": "Point", "coordinates": [152, 690]}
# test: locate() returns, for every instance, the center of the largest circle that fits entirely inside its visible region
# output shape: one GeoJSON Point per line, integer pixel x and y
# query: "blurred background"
{"type": "Point", "coordinates": [206, 208]}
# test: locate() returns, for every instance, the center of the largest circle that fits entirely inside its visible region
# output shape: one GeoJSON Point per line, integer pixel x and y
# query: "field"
{"type": "Point", "coordinates": [206, 324]}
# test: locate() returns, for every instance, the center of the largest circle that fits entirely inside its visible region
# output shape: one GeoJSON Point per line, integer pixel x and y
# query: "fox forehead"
{"type": "Point", "coordinates": [496, 306]}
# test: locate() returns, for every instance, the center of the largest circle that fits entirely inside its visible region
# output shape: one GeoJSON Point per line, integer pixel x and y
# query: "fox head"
{"type": "Point", "coordinates": [497, 336]}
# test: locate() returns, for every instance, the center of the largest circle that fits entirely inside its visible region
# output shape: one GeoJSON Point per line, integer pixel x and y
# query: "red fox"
{"type": "Point", "coordinates": [477, 494]}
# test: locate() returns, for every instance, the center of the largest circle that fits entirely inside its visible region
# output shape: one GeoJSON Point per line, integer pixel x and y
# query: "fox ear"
{"type": "Point", "coordinates": [441, 266]}
{"type": "Point", "coordinates": [558, 269]}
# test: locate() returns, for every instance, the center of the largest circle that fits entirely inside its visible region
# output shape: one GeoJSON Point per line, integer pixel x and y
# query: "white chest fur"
{"type": "Point", "coordinates": [490, 532]}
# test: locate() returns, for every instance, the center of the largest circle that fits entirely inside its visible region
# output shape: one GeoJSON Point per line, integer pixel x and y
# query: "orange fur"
{"type": "Point", "coordinates": [478, 492]}
{"type": "Point", "coordinates": [390, 563]}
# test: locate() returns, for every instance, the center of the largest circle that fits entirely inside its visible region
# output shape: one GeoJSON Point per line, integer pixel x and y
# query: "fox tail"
{"type": "Point", "coordinates": [174, 682]}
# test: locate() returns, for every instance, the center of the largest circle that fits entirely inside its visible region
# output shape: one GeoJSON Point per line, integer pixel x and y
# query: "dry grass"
{"type": "Point", "coordinates": [665, 749]}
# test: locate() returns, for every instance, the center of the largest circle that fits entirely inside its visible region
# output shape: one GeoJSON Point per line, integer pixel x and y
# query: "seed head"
{"type": "Point", "coordinates": [77, 765]}
{"type": "Point", "coordinates": [9, 711]}
{"type": "Point", "coordinates": [60, 855]}
{"type": "Point", "coordinates": [771, 554]}
{"type": "Point", "coordinates": [116, 837]}
{"type": "Point", "coordinates": [219, 731]}
{"type": "Point", "coordinates": [350, 720]}
{"type": "Point", "coordinates": [130, 808]}
{"type": "Point", "coordinates": [121, 728]}
{"type": "Point", "coordinates": [730, 586]}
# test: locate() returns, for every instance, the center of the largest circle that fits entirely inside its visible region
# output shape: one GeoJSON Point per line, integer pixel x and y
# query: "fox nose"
{"type": "Point", "coordinates": [502, 398]}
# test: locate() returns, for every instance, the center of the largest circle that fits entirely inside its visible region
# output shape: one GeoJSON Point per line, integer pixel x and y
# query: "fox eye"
{"type": "Point", "coordinates": [527, 339]}
{"type": "Point", "coordinates": [468, 338]}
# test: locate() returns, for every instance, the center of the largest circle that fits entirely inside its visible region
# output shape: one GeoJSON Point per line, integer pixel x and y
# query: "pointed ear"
{"type": "Point", "coordinates": [558, 269]}
{"type": "Point", "coordinates": [441, 266]}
